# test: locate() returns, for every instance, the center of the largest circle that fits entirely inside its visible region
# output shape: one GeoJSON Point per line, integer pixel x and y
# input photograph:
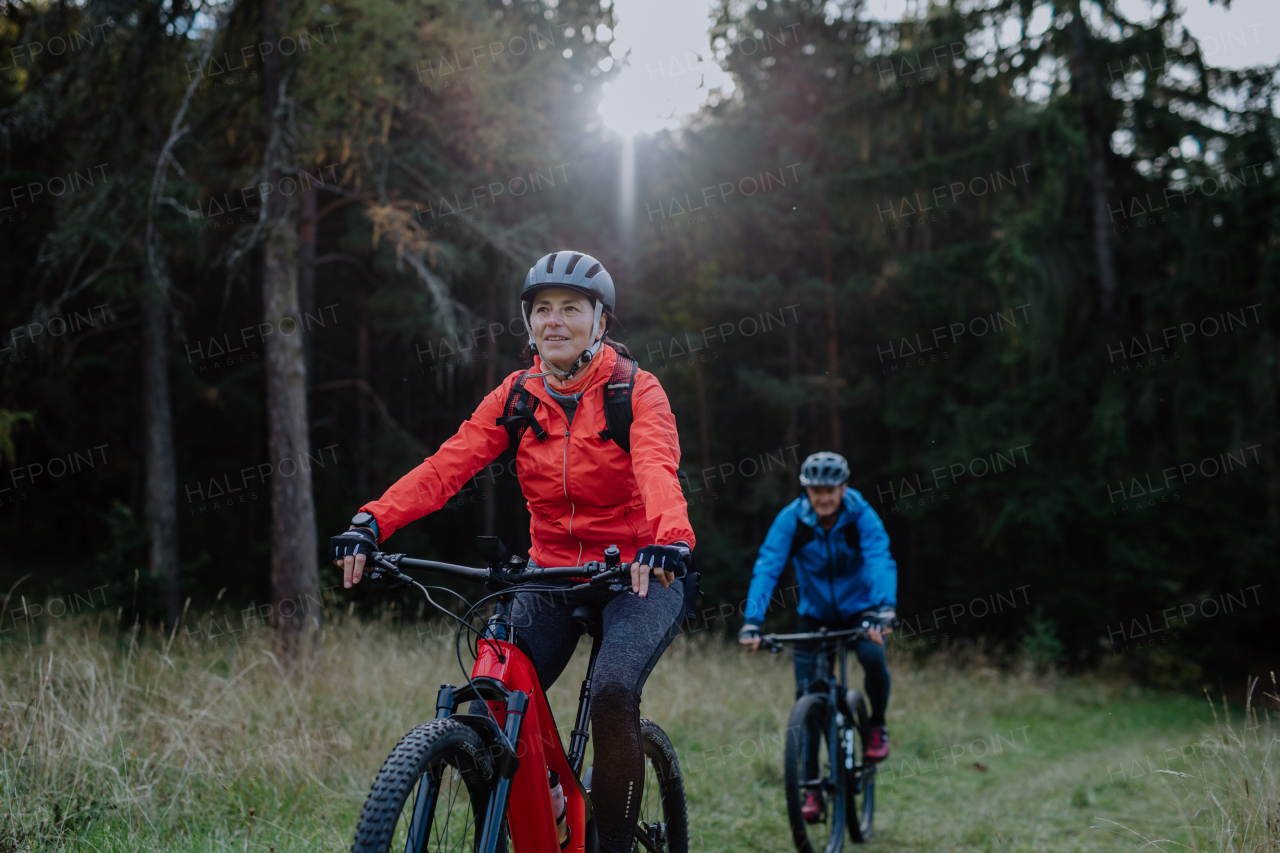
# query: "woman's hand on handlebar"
{"type": "Point", "coordinates": [660, 561]}
{"type": "Point", "coordinates": [348, 550]}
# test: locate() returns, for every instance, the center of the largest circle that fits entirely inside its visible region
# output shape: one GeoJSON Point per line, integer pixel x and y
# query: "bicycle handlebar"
{"type": "Point", "coordinates": [387, 567]}
{"type": "Point", "coordinates": [773, 642]}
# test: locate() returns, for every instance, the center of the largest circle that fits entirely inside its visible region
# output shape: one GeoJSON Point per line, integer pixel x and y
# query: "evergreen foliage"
{"type": "Point", "coordinates": [1034, 240]}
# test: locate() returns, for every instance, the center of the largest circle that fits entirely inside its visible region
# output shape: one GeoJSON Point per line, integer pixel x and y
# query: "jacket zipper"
{"type": "Point", "coordinates": [564, 477]}
{"type": "Point", "coordinates": [831, 580]}
{"type": "Point", "coordinates": [635, 534]}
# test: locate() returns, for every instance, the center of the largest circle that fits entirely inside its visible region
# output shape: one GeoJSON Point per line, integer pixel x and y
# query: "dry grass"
{"type": "Point", "coordinates": [1230, 780]}
{"type": "Point", "coordinates": [159, 743]}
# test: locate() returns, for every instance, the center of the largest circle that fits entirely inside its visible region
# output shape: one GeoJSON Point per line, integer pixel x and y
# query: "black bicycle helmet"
{"type": "Point", "coordinates": [824, 469]}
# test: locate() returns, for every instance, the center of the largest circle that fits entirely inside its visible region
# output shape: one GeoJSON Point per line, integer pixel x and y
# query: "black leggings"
{"type": "Point", "coordinates": [636, 632]}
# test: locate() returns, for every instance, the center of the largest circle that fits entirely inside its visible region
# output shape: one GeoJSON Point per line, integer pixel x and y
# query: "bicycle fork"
{"type": "Point", "coordinates": [501, 744]}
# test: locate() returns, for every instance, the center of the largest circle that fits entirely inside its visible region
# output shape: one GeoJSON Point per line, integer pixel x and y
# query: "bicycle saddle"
{"type": "Point", "coordinates": [588, 618]}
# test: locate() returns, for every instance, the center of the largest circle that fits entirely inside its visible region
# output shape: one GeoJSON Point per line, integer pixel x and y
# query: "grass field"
{"type": "Point", "coordinates": [163, 743]}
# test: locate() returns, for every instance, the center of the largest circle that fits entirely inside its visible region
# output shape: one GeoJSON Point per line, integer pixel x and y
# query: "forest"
{"type": "Point", "coordinates": [1014, 259]}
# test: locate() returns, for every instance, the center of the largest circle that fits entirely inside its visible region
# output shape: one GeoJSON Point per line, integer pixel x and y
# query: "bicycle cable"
{"type": "Point", "coordinates": [442, 609]}
{"type": "Point", "coordinates": [464, 622]}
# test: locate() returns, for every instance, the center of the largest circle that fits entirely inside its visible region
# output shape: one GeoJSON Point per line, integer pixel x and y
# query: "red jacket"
{"type": "Point", "coordinates": [584, 493]}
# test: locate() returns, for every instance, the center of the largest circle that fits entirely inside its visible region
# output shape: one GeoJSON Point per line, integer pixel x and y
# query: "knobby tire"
{"type": "Point", "coordinates": [451, 760]}
{"type": "Point", "coordinates": [663, 811]}
{"type": "Point", "coordinates": [809, 722]}
{"type": "Point", "coordinates": [861, 785]}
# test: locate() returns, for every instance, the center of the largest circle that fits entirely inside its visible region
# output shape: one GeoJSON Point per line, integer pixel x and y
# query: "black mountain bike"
{"type": "Point", "coordinates": [826, 736]}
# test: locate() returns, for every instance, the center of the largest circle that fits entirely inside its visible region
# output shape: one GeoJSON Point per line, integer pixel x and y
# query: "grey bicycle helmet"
{"type": "Point", "coordinates": [824, 469]}
{"type": "Point", "coordinates": [576, 271]}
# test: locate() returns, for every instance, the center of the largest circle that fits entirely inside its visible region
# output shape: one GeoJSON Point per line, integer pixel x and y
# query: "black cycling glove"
{"type": "Point", "coordinates": [665, 557]}
{"type": "Point", "coordinates": [356, 541]}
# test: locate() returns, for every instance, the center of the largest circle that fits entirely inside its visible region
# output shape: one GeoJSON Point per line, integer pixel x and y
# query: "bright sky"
{"type": "Point", "coordinates": [673, 68]}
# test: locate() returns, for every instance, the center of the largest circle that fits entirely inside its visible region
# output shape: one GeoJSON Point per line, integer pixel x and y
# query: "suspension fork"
{"type": "Point", "coordinates": [835, 742]}
{"type": "Point", "coordinates": [481, 688]}
{"type": "Point", "coordinates": [844, 681]}
{"type": "Point", "coordinates": [497, 808]}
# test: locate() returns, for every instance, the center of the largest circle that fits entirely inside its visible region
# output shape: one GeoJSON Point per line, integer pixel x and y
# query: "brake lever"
{"type": "Point", "coordinates": [609, 576]}
{"type": "Point", "coordinates": [391, 576]}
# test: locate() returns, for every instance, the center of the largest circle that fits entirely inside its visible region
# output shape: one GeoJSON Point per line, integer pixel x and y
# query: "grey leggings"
{"type": "Point", "coordinates": [636, 632]}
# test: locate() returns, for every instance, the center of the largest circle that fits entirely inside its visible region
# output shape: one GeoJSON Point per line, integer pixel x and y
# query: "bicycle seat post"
{"type": "Point", "coordinates": [591, 623]}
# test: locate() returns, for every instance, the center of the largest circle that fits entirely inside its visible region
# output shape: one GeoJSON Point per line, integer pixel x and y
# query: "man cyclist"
{"type": "Point", "coordinates": [587, 489]}
{"type": "Point", "coordinates": [845, 573]}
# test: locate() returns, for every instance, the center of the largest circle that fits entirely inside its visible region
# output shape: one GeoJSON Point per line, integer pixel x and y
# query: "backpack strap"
{"type": "Point", "coordinates": [803, 536]}
{"type": "Point", "coordinates": [853, 536]}
{"type": "Point", "coordinates": [517, 414]}
{"type": "Point", "coordinates": [617, 403]}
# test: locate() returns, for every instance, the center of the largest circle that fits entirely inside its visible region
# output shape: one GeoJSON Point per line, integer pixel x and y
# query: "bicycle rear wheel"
{"type": "Point", "coordinates": [861, 781]}
{"type": "Point", "coordinates": [430, 795]}
{"type": "Point", "coordinates": [662, 825]}
{"type": "Point", "coordinates": [809, 768]}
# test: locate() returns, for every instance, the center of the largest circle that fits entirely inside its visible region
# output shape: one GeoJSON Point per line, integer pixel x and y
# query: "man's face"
{"type": "Point", "coordinates": [825, 499]}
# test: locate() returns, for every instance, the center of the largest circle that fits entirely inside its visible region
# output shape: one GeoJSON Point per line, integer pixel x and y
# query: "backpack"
{"type": "Point", "coordinates": [521, 404]}
{"type": "Point", "coordinates": [804, 535]}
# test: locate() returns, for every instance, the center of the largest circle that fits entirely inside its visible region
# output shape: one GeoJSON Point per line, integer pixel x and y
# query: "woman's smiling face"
{"type": "Point", "coordinates": [561, 322]}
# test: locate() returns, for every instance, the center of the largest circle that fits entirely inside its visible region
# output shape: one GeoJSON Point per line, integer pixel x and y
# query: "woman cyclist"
{"type": "Point", "coordinates": [585, 492]}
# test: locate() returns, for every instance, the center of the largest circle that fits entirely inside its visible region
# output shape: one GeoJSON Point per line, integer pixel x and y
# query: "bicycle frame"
{"type": "Point", "coordinates": [519, 732]}
{"type": "Point", "coordinates": [524, 747]}
{"type": "Point", "coordinates": [840, 745]}
{"type": "Point", "coordinates": [840, 742]}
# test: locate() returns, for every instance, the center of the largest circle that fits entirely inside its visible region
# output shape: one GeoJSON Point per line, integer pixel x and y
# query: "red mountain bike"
{"type": "Point", "coordinates": [466, 781]}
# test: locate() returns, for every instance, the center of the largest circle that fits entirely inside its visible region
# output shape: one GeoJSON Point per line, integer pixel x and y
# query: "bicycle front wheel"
{"type": "Point", "coordinates": [861, 778]}
{"type": "Point", "coordinates": [662, 825]}
{"type": "Point", "coordinates": [430, 795]}
{"type": "Point", "coordinates": [815, 785]}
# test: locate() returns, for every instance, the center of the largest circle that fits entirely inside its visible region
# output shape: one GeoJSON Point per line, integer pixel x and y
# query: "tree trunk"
{"type": "Point", "coordinates": [1107, 278]}
{"type": "Point", "coordinates": [162, 475]}
{"type": "Point", "coordinates": [833, 342]}
{"type": "Point", "coordinates": [307, 267]}
{"type": "Point", "coordinates": [704, 437]}
{"type": "Point", "coordinates": [490, 381]}
{"type": "Point", "coordinates": [793, 409]}
{"type": "Point", "coordinates": [1084, 83]}
{"type": "Point", "coordinates": [295, 580]}
{"type": "Point", "coordinates": [362, 408]}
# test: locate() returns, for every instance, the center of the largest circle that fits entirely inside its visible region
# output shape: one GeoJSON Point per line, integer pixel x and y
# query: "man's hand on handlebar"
{"type": "Point", "coordinates": [885, 616]}
{"type": "Point", "coordinates": [750, 636]}
{"type": "Point", "coordinates": [348, 551]}
{"type": "Point", "coordinates": [660, 561]}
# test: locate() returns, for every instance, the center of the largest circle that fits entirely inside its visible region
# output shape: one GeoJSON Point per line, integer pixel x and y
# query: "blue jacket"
{"type": "Point", "coordinates": [840, 572]}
